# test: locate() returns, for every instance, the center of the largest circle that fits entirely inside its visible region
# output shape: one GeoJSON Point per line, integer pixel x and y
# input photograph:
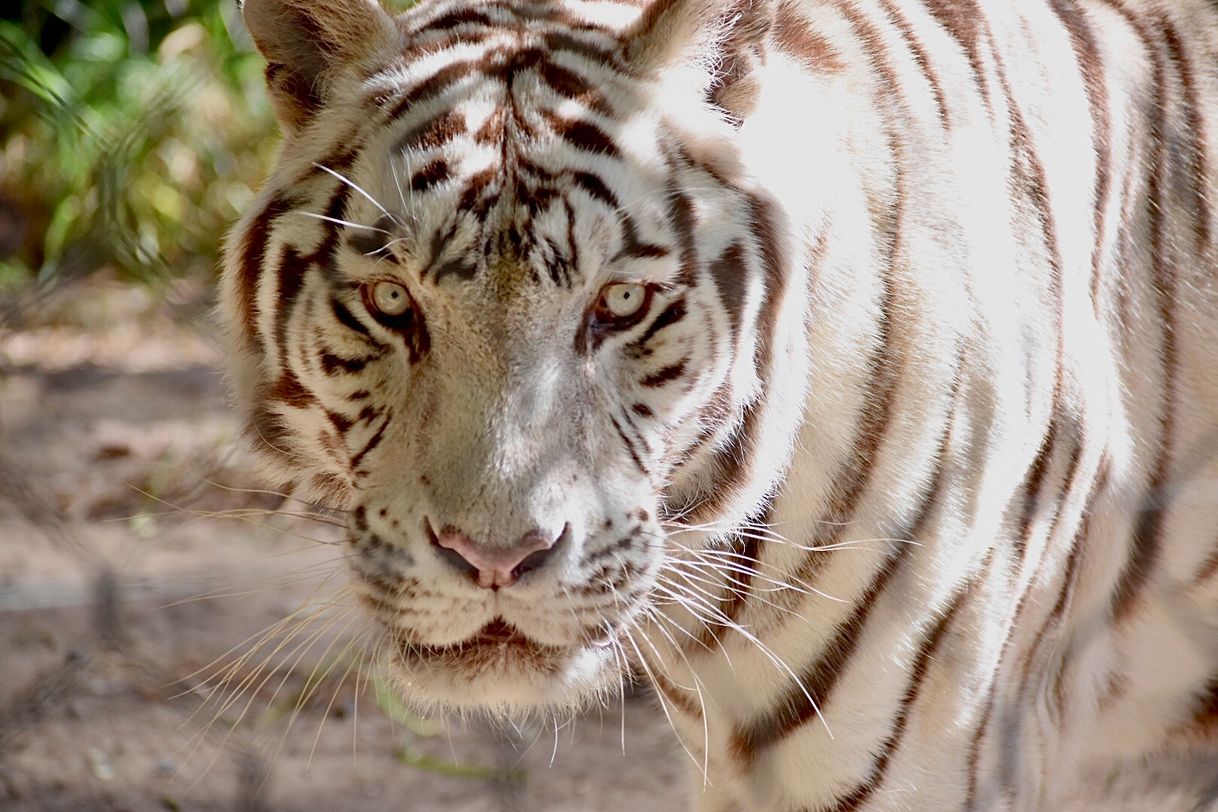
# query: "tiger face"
{"type": "Point", "coordinates": [497, 306]}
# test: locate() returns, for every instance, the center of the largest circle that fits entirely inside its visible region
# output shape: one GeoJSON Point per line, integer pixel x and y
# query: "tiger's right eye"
{"type": "Point", "coordinates": [391, 304]}
{"type": "Point", "coordinates": [389, 298]}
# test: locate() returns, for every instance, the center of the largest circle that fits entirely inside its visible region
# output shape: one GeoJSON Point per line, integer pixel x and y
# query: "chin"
{"type": "Point", "coordinates": [499, 672]}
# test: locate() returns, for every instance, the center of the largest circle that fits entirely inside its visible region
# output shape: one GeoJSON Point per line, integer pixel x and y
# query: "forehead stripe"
{"type": "Point", "coordinates": [431, 175]}
{"type": "Point", "coordinates": [583, 135]}
{"type": "Point", "coordinates": [435, 85]}
{"type": "Point", "coordinates": [435, 132]}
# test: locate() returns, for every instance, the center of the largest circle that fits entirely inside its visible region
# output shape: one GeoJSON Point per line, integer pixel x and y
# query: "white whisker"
{"type": "Point", "coordinates": [341, 222]}
{"type": "Point", "coordinates": [359, 189]}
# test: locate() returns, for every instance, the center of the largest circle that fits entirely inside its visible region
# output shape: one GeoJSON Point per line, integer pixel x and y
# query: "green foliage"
{"type": "Point", "coordinates": [132, 133]}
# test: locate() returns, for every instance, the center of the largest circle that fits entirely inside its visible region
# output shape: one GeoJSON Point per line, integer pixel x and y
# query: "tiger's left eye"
{"type": "Point", "coordinates": [390, 298]}
{"type": "Point", "coordinates": [621, 304]}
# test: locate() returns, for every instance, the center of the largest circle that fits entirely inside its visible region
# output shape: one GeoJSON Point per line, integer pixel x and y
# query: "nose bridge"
{"type": "Point", "coordinates": [498, 452]}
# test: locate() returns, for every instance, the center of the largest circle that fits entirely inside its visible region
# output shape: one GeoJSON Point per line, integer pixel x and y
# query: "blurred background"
{"type": "Point", "coordinates": [171, 636]}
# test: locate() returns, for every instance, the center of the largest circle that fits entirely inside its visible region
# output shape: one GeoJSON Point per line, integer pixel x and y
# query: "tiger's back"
{"type": "Point", "coordinates": [921, 397]}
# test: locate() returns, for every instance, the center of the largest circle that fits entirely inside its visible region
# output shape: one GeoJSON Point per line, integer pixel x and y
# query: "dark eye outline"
{"type": "Point", "coordinates": [401, 322]}
{"type": "Point", "coordinates": [601, 319]}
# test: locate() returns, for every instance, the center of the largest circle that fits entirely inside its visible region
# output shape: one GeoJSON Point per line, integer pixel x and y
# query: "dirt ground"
{"type": "Point", "coordinates": [137, 553]}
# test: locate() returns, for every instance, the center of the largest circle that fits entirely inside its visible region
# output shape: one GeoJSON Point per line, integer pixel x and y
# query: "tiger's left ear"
{"type": "Point", "coordinates": [307, 42]}
{"type": "Point", "coordinates": [725, 36]}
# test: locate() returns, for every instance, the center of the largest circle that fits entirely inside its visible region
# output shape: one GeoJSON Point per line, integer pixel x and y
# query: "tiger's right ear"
{"type": "Point", "coordinates": [306, 42]}
{"type": "Point", "coordinates": [669, 33]}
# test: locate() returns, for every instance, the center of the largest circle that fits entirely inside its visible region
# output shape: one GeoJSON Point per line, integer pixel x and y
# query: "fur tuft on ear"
{"type": "Point", "coordinates": [305, 42]}
{"type": "Point", "coordinates": [672, 33]}
{"type": "Point", "coordinates": [726, 38]}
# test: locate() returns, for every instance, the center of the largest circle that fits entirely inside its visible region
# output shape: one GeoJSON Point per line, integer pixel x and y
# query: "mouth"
{"type": "Point", "coordinates": [499, 639]}
{"type": "Point", "coordinates": [501, 667]}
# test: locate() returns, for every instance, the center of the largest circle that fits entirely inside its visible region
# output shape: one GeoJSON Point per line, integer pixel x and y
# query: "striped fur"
{"type": "Point", "coordinates": [900, 488]}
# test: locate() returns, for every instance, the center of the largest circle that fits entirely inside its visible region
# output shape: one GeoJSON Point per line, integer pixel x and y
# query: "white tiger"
{"type": "Point", "coordinates": [845, 366]}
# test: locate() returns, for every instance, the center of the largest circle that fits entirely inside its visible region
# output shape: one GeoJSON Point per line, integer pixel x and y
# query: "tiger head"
{"type": "Point", "coordinates": [513, 299]}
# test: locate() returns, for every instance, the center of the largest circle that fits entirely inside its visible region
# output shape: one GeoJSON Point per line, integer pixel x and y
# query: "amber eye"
{"type": "Point", "coordinates": [388, 298]}
{"type": "Point", "coordinates": [622, 304]}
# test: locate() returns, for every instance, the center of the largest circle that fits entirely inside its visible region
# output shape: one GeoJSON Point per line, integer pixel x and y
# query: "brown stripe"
{"type": "Point", "coordinates": [673, 314]}
{"type": "Point", "coordinates": [293, 267]}
{"type": "Point", "coordinates": [1087, 54]}
{"type": "Point", "coordinates": [734, 459]}
{"type": "Point", "coordinates": [493, 129]}
{"type": "Point", "coordinates": [679, 698]}
{"type": "Point", "coordinates": [748, 549]}
{"type": "Point", "coordinates": [991, 698]}
{"type": "Point", "coordinates": [331, 364]}
{"type": "Point", "coordinates": [595, 187]}
{"type": "Point", "coordinates": [651, 16]}
{"type": "Point", "coordinates": [289, 391]}
{"type": "Point", "coordinates": [818, 680]}
{"type": "Point", "coordinates": [582, 135]}
{"type": "Point", "coordinates": [1208, 569]}
{"type": "Point", "coordinates": [453, 19]}
{"type": "Point", "coordinates": [342, 424]}
{"type": "Point", "coordinates": [919, 55]}
{"type": "Point", "coordinates": [557, 41]}
{"type": "Point", "coordinates": [433, 133]}
{"type": "Point", "coordinates": [681, 220]}
{"type": "Point", "coordinates": [442, 80]}
{"type": "Point", "coordinates": [1035, 184]}
{"type": "Point", "coordinates": [978, 739]}
{"type": "Point", "coordinates": [738, 587]}
{"type": "Point", "coordinates": [544, 12]}
{"type": "Point", "coordinates": [1032, 486]}
{"type": "Point", "coordinates": [473, 199]}
{"type": "Point", "coordinates": [1146, 542]}
{"type": "Point", "coordinates": [666, 375]}
{"type": "Point", "coordinates": [1077, 541]}
{"type": "Point", "coordinates": [346, 318]}
{"type": "Point", "coordinates": [368, 243]}
{"type": "Point", "coordinates": [571, 85]}
{"type": "Point", "coordinates": [795, 37]}
{"type": "Point", "coordinates": [267, 429]}
{"type": "Point", "coordinates": [962, 19]}
{"type": "Point", "coordinates": [422, 47]}
{"type": "Point", "coordinates": [290, 275]}
{"type": "Point", "coordinates": [250, 269]}
{"type": "Point", "coordinates": [883, 380]}
{"type": "Point", "coordinates": [634, 248]}
{"type": "Point", "coordinates": [626, 441]}
{"type": "Point", "coordinates": [917, 677]}
{"type": "Point", "coordinates": [731, 278]}
{"type": "Point", "coordinates": [328, 482]}
{"type": "Point", "coordinates": [430, 175]}
{"type": "Point", "coordinates": [972, 763]}
{"type": "Point", "coordinates": [1191, 108]}
{"type": "Point", "coordinates": [1070, 580]}
{"type": "Point", "coordinates": [854, 476]}
{"type": "Point", "coordinates": [869, 37]}
{"type": "Point", "coordinates": [372, 443]}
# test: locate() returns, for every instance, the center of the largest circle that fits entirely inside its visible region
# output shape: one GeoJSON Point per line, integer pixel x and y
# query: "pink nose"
{"type": "Point", "coordinates": [495, 566]}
